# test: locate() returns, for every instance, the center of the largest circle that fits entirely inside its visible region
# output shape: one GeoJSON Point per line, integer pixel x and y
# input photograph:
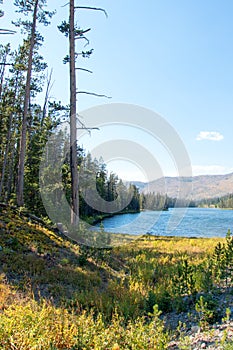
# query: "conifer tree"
{"type": "Point", "coordinates": [36, 8]}
{"type": "Point", "coordinates": [74, 33]}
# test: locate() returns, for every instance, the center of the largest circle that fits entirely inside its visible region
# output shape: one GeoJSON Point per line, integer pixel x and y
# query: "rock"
{"type": "Point", "coordinates": [195, 329]}
{"type": "Point", "coordinates": [59, 226]}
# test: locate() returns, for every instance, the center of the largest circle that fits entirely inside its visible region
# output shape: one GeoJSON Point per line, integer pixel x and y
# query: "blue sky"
{"type": "Point", "coordinates": [173, 57]}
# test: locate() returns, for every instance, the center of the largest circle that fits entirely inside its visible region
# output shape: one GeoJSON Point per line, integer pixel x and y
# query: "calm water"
{"type": "Point", "coordinates": [190, 222]}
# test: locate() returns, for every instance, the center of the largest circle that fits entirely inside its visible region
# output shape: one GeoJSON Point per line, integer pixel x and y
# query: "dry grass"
{"type": "Point", "coordinates": [55, 295]}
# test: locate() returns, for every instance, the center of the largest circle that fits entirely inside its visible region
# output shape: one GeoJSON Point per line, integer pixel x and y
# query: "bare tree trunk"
{"type": "Point", "coordinates": [8, 142]}
{"type": "Point", "coordinates": [23, 139]}
{"type": "Point", "coordinates": [73, 124]}
{"type": "Point", "coordinates": [2, 75]}
{"type": "Point", "coordinates": [6, 154]}
{"type": "Point", "coordinates": [46, 99]}
{"type": "Point", "coordinates": [11, 172]}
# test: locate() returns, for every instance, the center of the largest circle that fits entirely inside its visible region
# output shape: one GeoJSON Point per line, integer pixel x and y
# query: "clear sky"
{"type": "Point", "coordinates": [173, 57]}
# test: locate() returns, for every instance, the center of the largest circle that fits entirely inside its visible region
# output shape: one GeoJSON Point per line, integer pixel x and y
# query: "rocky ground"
{"type": "Point", "coordinates": [196, 339]}
{"type": "Point", "coordinates": [189, 333]}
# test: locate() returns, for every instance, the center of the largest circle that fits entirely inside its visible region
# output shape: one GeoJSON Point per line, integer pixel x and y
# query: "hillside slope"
{"type": "Point", "coordinates": [196, 188]}
{"type": "Point", "coordinates": [56, 295]}
{"type": "Point", "coordinates": [40, 260]}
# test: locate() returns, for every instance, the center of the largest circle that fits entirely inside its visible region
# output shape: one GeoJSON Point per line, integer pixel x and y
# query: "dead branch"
{"type": "Point", "coordinates": [88, 129]}
{"type": "Point", "coordinates": [85, 70]}
{"type": "Point", "coordinates": [81, 32]}
{"type": "Point", "coordinates": [79, 117]}
{"type": "Point", "coordinates": [83, 37]}
{"type": "Point", "coordinates": [84, 127]}
{"type": "Point", "coordinates": [47, 92]}
{"type": "Point", "coordinates": [92, 8]}
{"type": "Point", "coordinates": [92, 94]}
{"type": "Point", "coordinates": [7, 31]}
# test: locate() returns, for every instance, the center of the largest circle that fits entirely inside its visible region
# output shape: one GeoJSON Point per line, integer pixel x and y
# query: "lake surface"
{"type": "Point", "coordinates": [186, 222]}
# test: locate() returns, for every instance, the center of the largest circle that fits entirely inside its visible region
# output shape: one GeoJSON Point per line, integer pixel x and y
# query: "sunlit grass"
{"type": "Point", "coordinates": [54, 294]}
{"type": "Point", "coordinates": [42, 326]}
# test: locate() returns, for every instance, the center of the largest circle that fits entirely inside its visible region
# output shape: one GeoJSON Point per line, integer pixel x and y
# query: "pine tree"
{"type": "Point", "coordinates": [74, 33]}
{"type": "Point", "coordinates": [40, 15]}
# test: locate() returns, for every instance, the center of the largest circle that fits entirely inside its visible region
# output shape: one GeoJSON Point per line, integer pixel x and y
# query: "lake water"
{"type": "Point", "coordinates": [186, 222]}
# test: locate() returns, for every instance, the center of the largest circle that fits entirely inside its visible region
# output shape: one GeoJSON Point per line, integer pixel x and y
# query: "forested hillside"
{"type": "Point", "coordinates": [199, 187]}
{"type": "Point", "coordinates": [225, 202]}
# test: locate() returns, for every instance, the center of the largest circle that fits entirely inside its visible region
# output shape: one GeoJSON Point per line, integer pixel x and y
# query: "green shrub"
{"type": "Point", "coordinates": [206, 308]}
{"type": "Point", "coordinates": [42, 326]}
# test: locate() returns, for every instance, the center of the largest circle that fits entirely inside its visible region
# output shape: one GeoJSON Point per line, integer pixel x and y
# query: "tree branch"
{"type": "Point", "coordinates": [84, 127]}
{"type": "Point", "coordinates": [83, 37]}
{"type": "Point", "coordinates": [88, 128]}
{"type": "Point", "coordinates": [85, 70]}
{"type": "Point", "coordinates": [84, 54]}
{"type": "Point", "coordinates": [92, 8]}
{"type": "Point", "coordinates": [47, 92]}
{"type": "Point", "coordinates": [7, 31]}
{"type": "Point", "coordinates": [92, 94]}
{"type": "Point", "coordinates": [81, 32]}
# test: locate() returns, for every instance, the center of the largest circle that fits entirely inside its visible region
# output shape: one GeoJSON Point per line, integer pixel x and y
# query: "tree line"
{"type": "Point", "coordinates": [224, 202]}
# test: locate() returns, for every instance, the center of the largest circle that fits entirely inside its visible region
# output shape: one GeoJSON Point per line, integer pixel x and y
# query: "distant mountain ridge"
{"type": "Point", "coordinates": [195, 188]}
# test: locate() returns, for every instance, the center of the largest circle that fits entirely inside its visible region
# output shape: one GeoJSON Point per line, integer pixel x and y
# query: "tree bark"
{"type": "Point", "coordinates": [10, 177]}
{"type": "Point", "coordinates": [46, 99]}
{"type": "Point", "coordinates": [8, 142]}
{"type": "Point", "coordinates": [2, 73]}
{"type": "Point", "coordinates": [23, 138]}
{"type": "Point", "coordinates": [73, 124]}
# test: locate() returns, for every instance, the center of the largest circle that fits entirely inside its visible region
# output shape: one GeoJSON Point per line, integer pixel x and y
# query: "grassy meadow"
{"type": "Point", "coordinates": [55, 294]}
